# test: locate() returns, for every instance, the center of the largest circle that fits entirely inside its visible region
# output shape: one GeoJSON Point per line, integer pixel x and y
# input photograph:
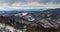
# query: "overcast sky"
{"type": "Point", "coordinates": [4, 4]}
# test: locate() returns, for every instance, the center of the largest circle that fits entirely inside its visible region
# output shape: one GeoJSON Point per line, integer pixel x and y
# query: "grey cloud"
{"type": "Point", "coordinates": [49, 1]}
{"type": "Point", "coordinates": [56, 1]}
{"type": "Point", "coordinates": [23, 2]}
{"type": "Point", "coordinates": [27, 1]}
{"type": "Point", "coordinates": [13, 1]}
{"type": "Point", "coordinates": [43, 1]}
{"type": "Point", "coordinates": [10, 2]}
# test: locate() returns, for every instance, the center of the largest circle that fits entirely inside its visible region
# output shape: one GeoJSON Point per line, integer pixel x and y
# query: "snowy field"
{"type": "Point", "coordinates": [7, 28]}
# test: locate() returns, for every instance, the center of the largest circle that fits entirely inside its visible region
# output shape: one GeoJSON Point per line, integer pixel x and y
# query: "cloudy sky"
{"type": "Point", "coordinates": [5, 4]}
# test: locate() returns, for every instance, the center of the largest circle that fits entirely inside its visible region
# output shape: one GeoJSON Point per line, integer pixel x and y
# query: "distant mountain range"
{"type": "Point", "coordinates": [14, 11]}
{"type": "Point", "coordinates": [46, 18]}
